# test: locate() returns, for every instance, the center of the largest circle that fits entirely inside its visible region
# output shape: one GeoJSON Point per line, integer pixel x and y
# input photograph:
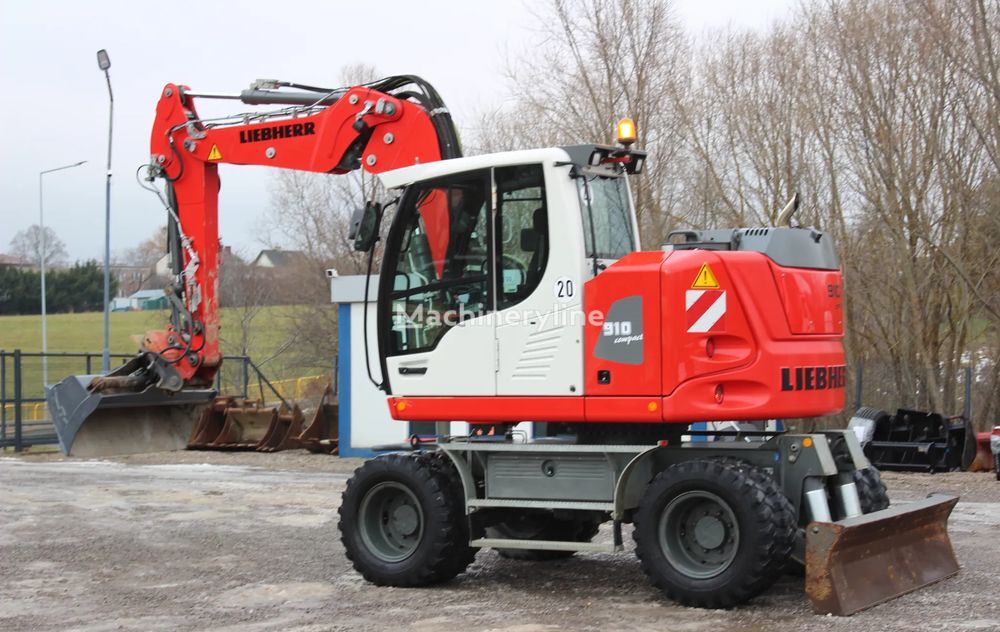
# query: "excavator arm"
{"type": "Point", "coordinates": [323, 131]}
{"type": "Point", "coordinates": [391, 123]}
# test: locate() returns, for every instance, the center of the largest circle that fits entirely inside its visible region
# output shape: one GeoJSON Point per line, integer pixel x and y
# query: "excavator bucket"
{"type": "Point", "coordinates": [210, 424]}
{"type": "Point", "coordinates": [93, 423]}
{"type": "Point", "coordinates": [245, 426]}
{"type": "Point", "coordinates": [322, 434]}
{"type": "Point", "coordinates": [859, 562]}
{"type": "Point", "coordinates": [232, 424]}
{"type": "Point", "coordinates": [284, 433]}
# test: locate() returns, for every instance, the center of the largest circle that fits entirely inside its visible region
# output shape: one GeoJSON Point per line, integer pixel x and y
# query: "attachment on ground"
{"type": "Point", "coordinates": [859, 562]}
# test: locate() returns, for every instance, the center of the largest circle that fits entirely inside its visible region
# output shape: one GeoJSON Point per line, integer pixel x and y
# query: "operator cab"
{"type": "Point", "coordinates": [484, 266]}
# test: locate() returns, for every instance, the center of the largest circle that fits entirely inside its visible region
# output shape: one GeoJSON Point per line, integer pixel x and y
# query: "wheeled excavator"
{"type": "Point", "coordinates": [513, 292]}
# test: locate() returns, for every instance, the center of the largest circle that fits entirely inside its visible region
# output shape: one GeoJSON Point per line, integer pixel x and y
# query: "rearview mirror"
{"type": "Point", "coordinates": [364, 226]}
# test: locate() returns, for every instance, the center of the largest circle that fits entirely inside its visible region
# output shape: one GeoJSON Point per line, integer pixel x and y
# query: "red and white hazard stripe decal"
{"type": "Point", "coordinates": [705, 310]}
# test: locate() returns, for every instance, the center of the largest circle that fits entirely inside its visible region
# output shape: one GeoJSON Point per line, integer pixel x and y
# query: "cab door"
{"type": "Point", "coordinates": [539, 286]}
{"type": "Point", "coordinates": [436, 290]}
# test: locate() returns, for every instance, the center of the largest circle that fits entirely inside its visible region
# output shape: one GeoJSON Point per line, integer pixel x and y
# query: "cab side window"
{"type": "Point", "coordinates": [442, 267]}
{"type": "Point", "coordinates": [522, 232]}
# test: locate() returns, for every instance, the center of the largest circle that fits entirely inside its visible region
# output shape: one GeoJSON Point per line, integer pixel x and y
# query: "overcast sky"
{"type": "Point", "coordinates": [54, 106]}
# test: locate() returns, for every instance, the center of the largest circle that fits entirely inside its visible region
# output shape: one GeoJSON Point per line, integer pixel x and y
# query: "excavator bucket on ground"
{"type": "Point", "coordinates": [233, 424]}
{"type": "Point", "coordinates": [284, 432]}
{"type": "Point", "coordinates": [95, 416]}
{"type": "Point", "coordinates": [210, 424]}
{"type": "Point", "coordinates": [859, 562]}
{"type": "Point", "coordinates": [322, 434]}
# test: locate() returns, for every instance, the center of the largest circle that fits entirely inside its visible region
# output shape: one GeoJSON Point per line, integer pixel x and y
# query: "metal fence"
{"type": "Point", "coordinates": [24, 419]}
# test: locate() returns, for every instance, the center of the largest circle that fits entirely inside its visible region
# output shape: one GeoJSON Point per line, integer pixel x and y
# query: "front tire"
{"type": "Point", "coordinates": [713, 534]}
{"type": "Point", "coordinates": [401, 522]}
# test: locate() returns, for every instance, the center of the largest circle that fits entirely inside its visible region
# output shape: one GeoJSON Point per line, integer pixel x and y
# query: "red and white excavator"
{"type": "Point", "coordinates": [512, 290]}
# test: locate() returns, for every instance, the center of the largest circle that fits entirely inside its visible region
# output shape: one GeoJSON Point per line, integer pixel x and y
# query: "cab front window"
{"type": "Point", "coordinates": [607, 218]}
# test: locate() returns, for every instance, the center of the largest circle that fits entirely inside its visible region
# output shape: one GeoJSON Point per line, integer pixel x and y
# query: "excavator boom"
{"type": "Point", "coordinates": [391, 123]}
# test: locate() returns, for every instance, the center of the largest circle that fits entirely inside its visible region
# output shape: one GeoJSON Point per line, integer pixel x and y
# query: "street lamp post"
{"type": "Point", "coordinates": [104, 62]}
{"type": "Point", "coordinates": [41, 265]}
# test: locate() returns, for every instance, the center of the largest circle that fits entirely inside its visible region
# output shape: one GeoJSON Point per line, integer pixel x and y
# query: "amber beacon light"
{"type": "Point", "coordinates": [626, 131]}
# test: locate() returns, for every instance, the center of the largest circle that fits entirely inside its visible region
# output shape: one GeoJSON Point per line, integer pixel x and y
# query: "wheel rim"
{"type": "Point", "coordinates": [392, 521]}
{"type": "Point", "coordinates": [699, 534]}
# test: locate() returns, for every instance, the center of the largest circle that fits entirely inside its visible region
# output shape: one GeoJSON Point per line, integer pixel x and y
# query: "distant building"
{"type": "Point", "coordinates": [130, 278]}
{"type": "Point", "coordinates": [10, 261]}
{"type": "Point", "coordinates": [147, 299]}
{"type": "Point", "coordinates": [275, 258]}
{"type": "Point", "coordinates": [162, 267]}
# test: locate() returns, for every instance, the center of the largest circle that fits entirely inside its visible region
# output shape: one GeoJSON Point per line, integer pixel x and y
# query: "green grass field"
{"type": "Point", "coordinates": [84, 332]}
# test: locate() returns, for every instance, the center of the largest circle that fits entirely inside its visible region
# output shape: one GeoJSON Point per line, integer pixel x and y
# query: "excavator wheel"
{"type": "Point", "coordinates": [871, 490]}
{"type": "Point", "coordinates": [443, 466]}
{"type": "Point", "coordinates": [713, 534]}
{"type": "Point", "coordinates": [402, 524]}
{"type": "Point", "coordinates": [540, 526]}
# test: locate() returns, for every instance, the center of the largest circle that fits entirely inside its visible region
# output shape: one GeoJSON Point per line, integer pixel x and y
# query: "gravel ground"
{"type": "Point", "coordinates": [247, 541]}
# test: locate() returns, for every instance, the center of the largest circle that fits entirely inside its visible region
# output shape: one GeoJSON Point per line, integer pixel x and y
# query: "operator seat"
{"type": "Point", "coordinates": [536, 267]}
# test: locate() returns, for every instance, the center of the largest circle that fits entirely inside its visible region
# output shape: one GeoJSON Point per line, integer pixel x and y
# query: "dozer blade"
{"type": "Point", "coordinates": [94, 423]}
{"type": "Point", "coordinates": [322, 434]}
{"type": "Point", "coordinates": [860, 562]}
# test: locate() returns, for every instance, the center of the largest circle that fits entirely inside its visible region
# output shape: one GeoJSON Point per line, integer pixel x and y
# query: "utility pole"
{"type": "Point", "coordinates": [104, 62]}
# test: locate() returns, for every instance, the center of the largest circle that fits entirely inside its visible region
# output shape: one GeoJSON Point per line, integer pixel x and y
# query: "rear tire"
{"type": "Point", "coordinates": [713, 534]}
{"type": "Point", "coordinates": [542, 527]}
{"type": "Point", "coordinates": [871, 490]}
{"type": "Point", "coordinates": [402, 524]}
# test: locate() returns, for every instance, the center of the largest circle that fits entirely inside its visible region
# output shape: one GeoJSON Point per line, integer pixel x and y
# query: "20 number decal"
{"type": "Point", "coordinates": [564, 289]}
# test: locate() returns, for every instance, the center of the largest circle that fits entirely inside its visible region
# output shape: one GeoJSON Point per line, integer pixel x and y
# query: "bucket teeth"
{"type": "Point", "coordinates": [860, 562]}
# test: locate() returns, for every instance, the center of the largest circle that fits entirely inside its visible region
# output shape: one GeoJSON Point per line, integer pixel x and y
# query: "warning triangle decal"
{"type": "Point", "coordinates": [215, 154]}
{"type": "Point", "coordinates": [705, 279]}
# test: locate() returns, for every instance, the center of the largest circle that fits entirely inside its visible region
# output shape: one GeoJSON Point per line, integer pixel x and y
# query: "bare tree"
{"type": "Point", "coordinates": [594, 62]}
{"type": "Point", "coordinates": [311, 213]}
{"type": "Point", "coordinates": [146, 255]}
{"type": "Point", "coordinates": [28, 244]}
{"type": "Point", "coordinates": [245, 290]}
{"type": "Point", "coordinates": [148, 251]}
{"type": "Point", "coordinates": [884, 115]}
